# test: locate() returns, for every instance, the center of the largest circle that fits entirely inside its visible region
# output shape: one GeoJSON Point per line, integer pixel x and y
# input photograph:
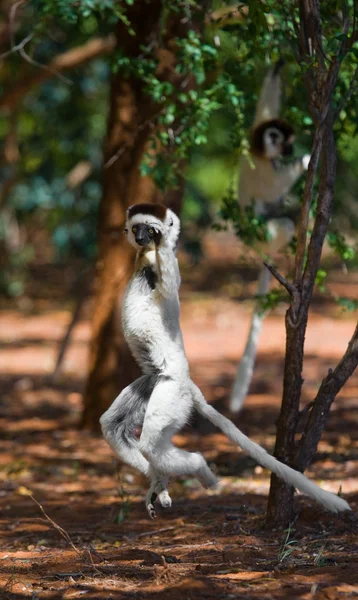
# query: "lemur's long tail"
{"type": "Point", "coordinates": [295, 478]}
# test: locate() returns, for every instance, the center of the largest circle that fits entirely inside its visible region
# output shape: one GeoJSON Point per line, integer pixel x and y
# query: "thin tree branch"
{"type": "Point", "coordinates": [327, 392]}
{"type": "Point", "coordinates": [12, 14]}
{"type": "Point", "coordinates": [312, 28]}
{"type": "Point", "coordinates": [306, 409]}
{"type": "Point", "coordinates": [323, 213]}
{"type": "Point", "coordinates": [306, 206]}
{"type": "Point", "coordinates": [64, 62]}
{"type": "Point", "coordinates": [228, 14]}
{"type": "Point", "coordinates": [147, 123]}
{"type": "Point", "coordinates": [18, 47]}
{"type": "Point", "coordinates": [64, 343]}
{"type": "Point", "coordinates": [354, 17]}
{"type": "Point", "coordinates": [35, 63]}
{"type": "Point", "coordinates": [21, 46]}
{"type": "Point", "coordinates": [286, 284]}
{"type": "Point", "coordinates": [352, 88]}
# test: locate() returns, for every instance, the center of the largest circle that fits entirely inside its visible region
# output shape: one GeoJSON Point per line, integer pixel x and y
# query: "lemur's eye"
{"type": "Point", "coordinates": [125, 230]}
{"type": "Point", "coordinates": [151, 231]}
{"type": "Point", "coordinates": [134, 229]}
{"type": "Point", "coordinates": [171, 223]}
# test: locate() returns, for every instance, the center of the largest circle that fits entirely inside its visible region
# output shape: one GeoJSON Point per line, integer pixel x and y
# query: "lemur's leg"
{"type": "Point", "coordinates": [168, 410]}
{"type": "Point", "coordinates": [121, 419]}
{"type": "Point", "coordinates": [281, 232]}
{"type": "Point", "coordinates": [119, 423]}
{"type": "Point", "coordinates": [247, 363]}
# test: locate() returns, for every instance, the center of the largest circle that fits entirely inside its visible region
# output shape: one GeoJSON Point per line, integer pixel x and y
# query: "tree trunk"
{"type": "Point", "coordinates": [320, 81]}
{"type": "Point", "coordinates": [111, 366]}
{"type": "Point", "coordinates": [280, 510]}
{"type": "Point", "coordinates": [280, 504]}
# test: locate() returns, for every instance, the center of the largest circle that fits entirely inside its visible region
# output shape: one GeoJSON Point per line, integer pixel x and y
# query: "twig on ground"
{"type": "Point", "coordinates": [75, 574]}
{"type": "Point", "coordinates": [92, 563]}
{"type": "Point", "coordinates": [97, 554]}
{"type": "Point", "coordinates": [61, 531]}
{"type": "Point", "coordinates": [145, 533]}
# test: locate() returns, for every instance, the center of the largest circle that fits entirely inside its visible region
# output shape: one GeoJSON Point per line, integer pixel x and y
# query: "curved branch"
{"type": "Point", "coordinates": [329, 389]}
{"type": "Point", "coordinates": [64, 62]}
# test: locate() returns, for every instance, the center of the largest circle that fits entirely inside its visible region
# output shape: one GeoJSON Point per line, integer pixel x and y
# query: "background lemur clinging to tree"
{"type": "Point", "coordinates": [265, 183]}
{"type": "Point", "coordinates": [162, 400]}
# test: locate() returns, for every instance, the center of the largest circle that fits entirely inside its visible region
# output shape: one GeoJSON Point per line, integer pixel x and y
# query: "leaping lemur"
{"type": "Point", "coordinates": [264, 182]}
{"type": "Point", "coordinates": [163, 398]}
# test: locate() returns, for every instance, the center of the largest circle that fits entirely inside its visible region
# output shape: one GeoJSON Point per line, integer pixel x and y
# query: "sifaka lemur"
{"type": "Point", "coordinates": [163, 398]}
{"type": "Point", "coordinates": [265, 183]}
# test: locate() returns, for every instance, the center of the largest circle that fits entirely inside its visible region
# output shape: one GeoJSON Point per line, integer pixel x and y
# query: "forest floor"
{"type": "Point", "coordinates": [84, 531]}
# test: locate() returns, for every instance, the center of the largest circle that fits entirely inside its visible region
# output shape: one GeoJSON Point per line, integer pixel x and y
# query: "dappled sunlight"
{"type": "Point", "coordinates": [213, 542]}
{"type": "Point", "coordinates": [243, 121]}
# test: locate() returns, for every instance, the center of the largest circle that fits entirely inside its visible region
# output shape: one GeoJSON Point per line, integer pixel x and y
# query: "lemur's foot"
{"type": "Point", "coordinates": [151, 511]}
{"type": "Point", "coordinates": [157, 493]}
{"type": "Point", "coordinates": [164, 499]}
{"type": "Point", "coordinates": [149, 502]}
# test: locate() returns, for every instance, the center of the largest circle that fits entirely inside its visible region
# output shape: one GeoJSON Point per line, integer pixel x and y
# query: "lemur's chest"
{"type": "Point", "coordinates": [257, 181]}
{"type": "Point", "coordinates": [144, 309]}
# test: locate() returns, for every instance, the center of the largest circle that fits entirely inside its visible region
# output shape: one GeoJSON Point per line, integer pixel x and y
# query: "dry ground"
{"type": "Point", "coordinates": [208, 545]}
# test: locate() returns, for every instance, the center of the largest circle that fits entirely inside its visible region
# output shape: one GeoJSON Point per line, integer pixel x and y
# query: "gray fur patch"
{"type": "Point", "coordinates": [128, 413]}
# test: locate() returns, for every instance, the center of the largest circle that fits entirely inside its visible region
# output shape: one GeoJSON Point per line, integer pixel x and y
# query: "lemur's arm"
{"type": "Point", "coordinates": [283, 208]}
{"type": "Point", "coordinates": [169, 275]}
{"type": "Point", "coordinates": [268, 105]}
{"type": "Point", "coordinates": [285, 176]}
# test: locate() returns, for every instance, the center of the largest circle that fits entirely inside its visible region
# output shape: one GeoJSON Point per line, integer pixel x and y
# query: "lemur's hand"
{"type": "Point", "coordinates": [305, 161]}
{"type": "Point", "coordinates": [173, 230]}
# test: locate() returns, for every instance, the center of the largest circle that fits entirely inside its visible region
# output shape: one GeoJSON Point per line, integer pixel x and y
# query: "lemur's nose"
{"type": "Point", "coordinates": [140, 238]}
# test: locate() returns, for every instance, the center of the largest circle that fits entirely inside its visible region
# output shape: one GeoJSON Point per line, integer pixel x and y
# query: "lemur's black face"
{"type": "Point", "coordinates": [145, 234]}
{"type": "Point", "coordinates": [272, 139]}
{"type": "Point", "coordinates": [287, 149]}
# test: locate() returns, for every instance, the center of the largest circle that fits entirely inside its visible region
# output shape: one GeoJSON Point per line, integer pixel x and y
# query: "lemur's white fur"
{"type": "Point", "coordinates": [164, 397]}
{"type": "Point", "coordinates": [266, 183]}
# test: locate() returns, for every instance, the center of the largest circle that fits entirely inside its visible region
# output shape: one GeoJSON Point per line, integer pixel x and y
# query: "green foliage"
{"type": "Point", "coordinates": [274, 298]}
{"type": "Point", "coordinates": [247, 226]}
{"type": "Point", "coordinates": [58, 126]}
{"type": "Point", "coordinates": [347, 304]}
{"type": "Point", "coordinates": [288, 545]}
{"type": "Point", "coordinates": [320, 280]}
{"type": "Point", "coordinates": [203, 108]}
{"type": "Point", "coordinates": [337, 242]}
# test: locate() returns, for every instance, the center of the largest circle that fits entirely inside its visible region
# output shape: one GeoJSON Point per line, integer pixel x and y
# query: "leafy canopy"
{"type": "Point", "coordinates": [220, 61]}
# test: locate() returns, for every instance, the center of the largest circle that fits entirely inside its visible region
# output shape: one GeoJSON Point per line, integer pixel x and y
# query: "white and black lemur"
{"type": "Point", "coordinates": [265, 183]}
{"type": "Point", "coordinates": [163, 398]}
